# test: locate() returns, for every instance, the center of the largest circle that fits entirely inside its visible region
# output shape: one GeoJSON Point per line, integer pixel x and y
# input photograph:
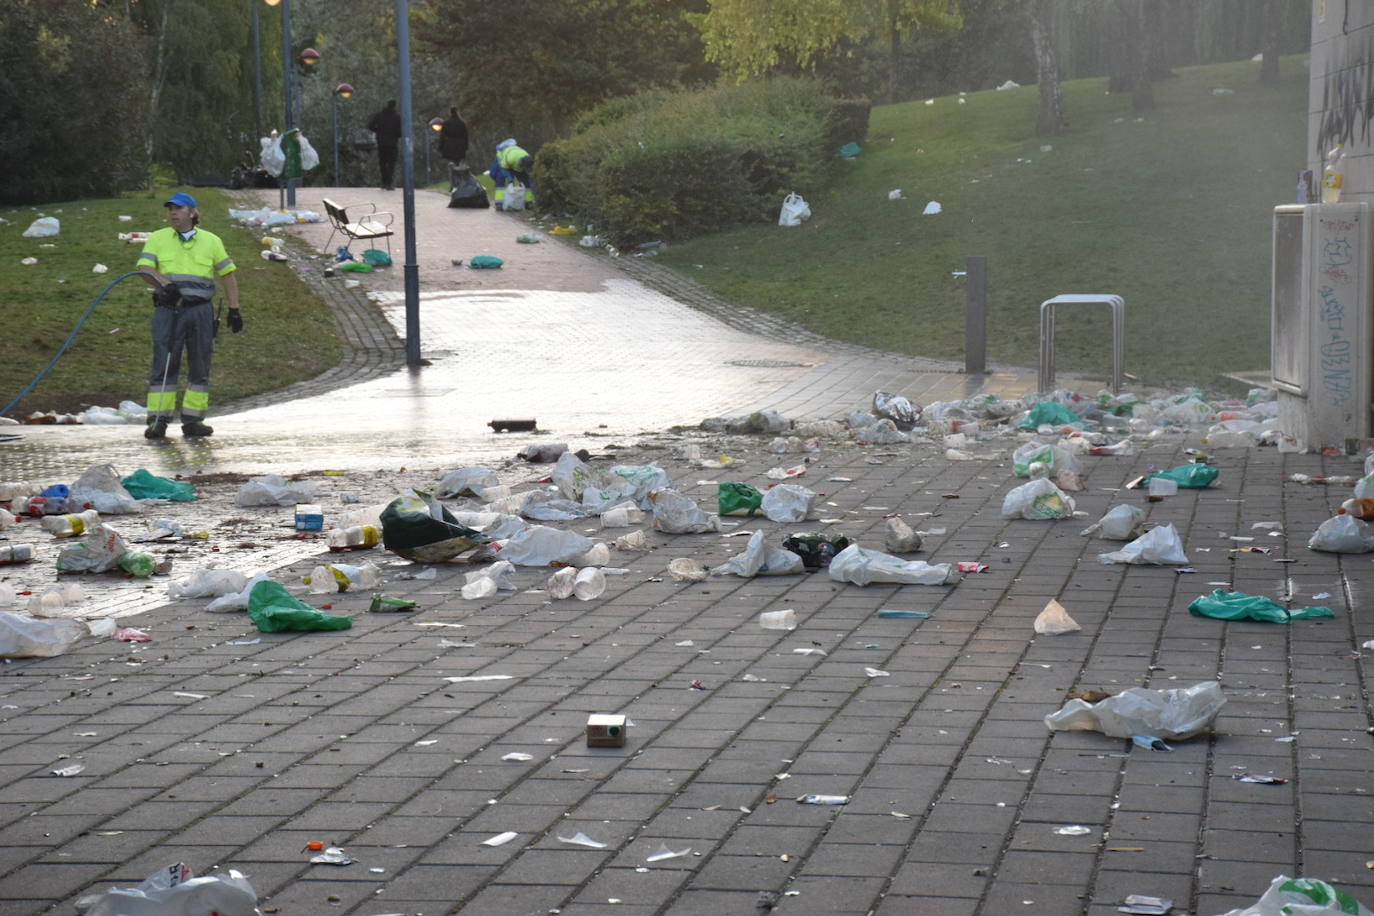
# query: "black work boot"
{"type": "Point", "coordinates": [192, 428]}
{"type": "Point", "coordinates": [157, 428]}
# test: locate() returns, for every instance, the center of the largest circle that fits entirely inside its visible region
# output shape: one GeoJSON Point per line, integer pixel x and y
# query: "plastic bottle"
{"type": "Point", "coordinates": [355, 537]}
{"type": "Point", "coordinates": [29, 505]}
{"type": "Point", "coordinates": [70, 526]}
{"type": "Point", "coordinates": [1333, 175]}
{"type": "Point", "coordinates": [340, 577]}
{"type": "Point", "coordinates": [136, 563]}
{"type": "Point", "coordinates": [15, 553]}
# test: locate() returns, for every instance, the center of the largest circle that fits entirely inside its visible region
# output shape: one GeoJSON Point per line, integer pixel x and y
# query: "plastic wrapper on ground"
{"type": "Point", "coordinates": [1223, 605]}
{"type": "Point", "coordinates": [676, 513]}
{"type": "Point", "coordinates": [274, 490]}
{"type": "Point", "coordinates": [27, 637]}
{"type": "Point", "coordinates": [896, 408]}
{"type": "Point", "coordinates": [417, 527]}
{"type": "Point", "coordinates": [1302, 897]}
{"type": "Point", "coordinates": [465, 481]}
{"type": "Point", "coordinates": [98, 551]}
{"type": "Point", "coordinates": [788, 502]}
{"type": "Point", "coordinates": [99, 486]}
{"type": "Point", "coordinates": [1054, 620]}
{"type": "Point", "coordinates": [540, 545]}
{"type": "Point", "coordinates": [1179, 713]}
{"type": "Point", "coordinates": [1038, 500]}
{"type": "Point", "coordinates": [758, 559]}
{"type": "Point", "coordinates": [173, 892]}
{"type": "Point", "coordinates": [858, 566]}
{"type": "Point", "coordinates": [275, 610]}
{"type": "Point", "coordinates": [143, 484]}
{"type": "Point", "coordinates": [1342, 534]}
{"type": "Point", "coordinates": [1120, 523]}
{"type": "Point", "coordinates": [208, 583]}
{"type": "Point", "coordinates": [1157, 547]}
{"type": "Point", "coordinates": [599, 490]}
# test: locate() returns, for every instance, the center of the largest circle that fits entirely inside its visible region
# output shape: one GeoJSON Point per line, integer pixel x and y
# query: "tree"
{"type": "Point", "coordinates": [752, 37]}
{"type": "Point", "coordinates": [1051, 121]}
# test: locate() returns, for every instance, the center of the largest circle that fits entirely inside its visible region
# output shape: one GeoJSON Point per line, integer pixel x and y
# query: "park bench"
{"type": "Point", "coordinates": [372, 225]}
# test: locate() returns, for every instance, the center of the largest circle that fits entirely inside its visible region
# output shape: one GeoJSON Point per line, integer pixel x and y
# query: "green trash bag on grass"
{"type": "Point", "coordinates": [1240, 606]}
{"type": "Point", "coordinates": [143, 484]}
{"type": "Point", "coordinates": [275, 610]}
{"type": "Point", "coordinates": [1188, 475]}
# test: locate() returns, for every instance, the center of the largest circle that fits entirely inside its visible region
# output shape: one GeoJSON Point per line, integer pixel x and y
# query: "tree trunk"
{"type": "Point", "coordinates": [1142, 22]}
{"type": "Point", "coordinates": [1273, 40]}
{"type": "Point", "coordinates": [1051, 121]}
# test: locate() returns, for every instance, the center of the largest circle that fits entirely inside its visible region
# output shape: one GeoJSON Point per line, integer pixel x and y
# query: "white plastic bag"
{"type": "Point", "coordinates": [466, 480]}
{"type": "Point", "coordinates": [1054, 620]}
{"type": "Point", "coordinates": [1121, 523]}
{"type": "Point", "coordinates": [98, 551]}
{"type": "Point", "coordinates": [1342, 534]}
{"type": "Point", "coordinates": [1039, 499]}
{"type": "Point", "coordinates": [235, 601]}
{"type": "Point", "coordinates": [861, 567]}
{"type": "Point", "coordinates": [1178, 713]}
{"type": "Point", "coordinates": [208, 583]}
{"type": "Point", "coordinates": [1055, 457]}
{"type": "Point", "coordinates": [173, 892]}
{"type": "Point", "coordinates": [600, 490]}
{"type": "Point", "coordinates": [100, 486]}
{"type": "Point", "coordinates": [1302, 897]}
{"type": "Point", "coordinates": [675, 513]}
{"type": "Point", "coordinates": [514, 197]}
{"type": "Point", "coordinates": [1158, 547]}
{"type": "Point", "coordinates": [43, 227]}
{"type": "Point", "coordinates": [26, 637]}
{"type": "Point", "coordinates": [274, 490]}
{"type": "Point", "coordinates": [880, 432]}
{"type": "Point", "coordinates": [757, 559]}
{"type": "Point", "coordinates": [788, 502]}
{"type": "Point", "coordinates": [540, 545]}
{"type": "Point", "coordinates": [794, 211]}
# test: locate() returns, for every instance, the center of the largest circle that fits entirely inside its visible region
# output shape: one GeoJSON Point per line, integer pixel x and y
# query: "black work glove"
{"type": "Point", "coordinates": [169, 296]}
{"type": "Point", "coordinates": [235, 320]}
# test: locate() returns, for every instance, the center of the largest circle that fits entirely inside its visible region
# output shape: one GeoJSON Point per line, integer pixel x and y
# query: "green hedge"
{"type": "Point", "coordinates": [662, 165]}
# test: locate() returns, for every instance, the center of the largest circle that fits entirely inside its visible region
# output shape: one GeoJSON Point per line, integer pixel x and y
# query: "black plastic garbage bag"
{"type": "Point", "coordinates": [816, 550]}
{"type": "Point", "coordinates": [467, 192]}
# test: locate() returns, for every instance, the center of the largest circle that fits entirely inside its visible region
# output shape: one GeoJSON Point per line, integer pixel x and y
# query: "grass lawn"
{"type": "Point", "coordinates": [1170, 209]}
{"type": "Point", "coordinates": [288, 333]}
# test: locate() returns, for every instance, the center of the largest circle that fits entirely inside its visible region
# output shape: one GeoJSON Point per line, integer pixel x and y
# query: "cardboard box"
{"type": "Point", "coordinates": [605, 730]}
{"type": "Point", "coordinates": [309, 517]}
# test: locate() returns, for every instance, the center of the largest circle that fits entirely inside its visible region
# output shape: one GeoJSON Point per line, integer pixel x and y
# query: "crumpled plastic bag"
{"type": "Point", "coordinates": [862, 567]}
{"type": "Point", "coordinates": [1189, 476]}
{"type": "Point", "coordinates": [760, 421]}
{"type": "Point", "coordinates": [1037, 500]}
{"type": "Point", "coordinates": [466, 480]}
{"type": "Point", "coordinates": [676, 513]}
{"type": "Point", "coordinates": [275, 610]}
{"type": "Point", "coordinates": [1302, 897]}
{"type": "Point", "coordinates": [1342, 534]}
{"type": "Point", "coordinates": [1054, 620]}
{"type": "Point", "coordinates": [1056, 458]}
{"type": "Point", "coordinates": [880, 432]}
{"type": "Point", "coordinates": [540, 545]}
{"type": "Point", "coordinates": [1158, 547]}
{"type": "Point", "coordinates": [788, 502]}
{"type": "Point", "coordinates": [1233, 434]}
{"type": "Point", "coordinates": [1178, 713]}
{"type": "Point", "coordinates": [235, 601]}
{"type": "Point", "coordinates": [757, 559]}
{"type": "Point", "coordinates": [173, 892]}
{"type": "Point", "coordinates": [42, 228]}
{"type": "Point", "coordinates": [275, 490]}
{"type": "Point", "coordinates": [98, 551]}
{"type": "Point", "coordinates": [1050, 413]}
{"type": "Point", "coordinates": [1223, 605]}
{"type": "Point", "coordinates": [487, 581]}
{"type": "Point", "coordinates": [1120, 523]}
{"type": "Point", "coordinates": [28, 637]}
{"type": "Point", "coordinates": [738, 499]}
{"type": "Point", "coordinates": [551, 506]}
{"type": "Point", "coordinates": [208, 583]}
{"type": "Point", "coordinates": [896, 408]}
{"type": "Point", "coordinates": [600, 490]}
{"type": "Point", "coordinates": [143, 484]}
{"type": "Point", "coordinates": [418, 527]}
{"type": "Point", "coordinates": [99, 487]}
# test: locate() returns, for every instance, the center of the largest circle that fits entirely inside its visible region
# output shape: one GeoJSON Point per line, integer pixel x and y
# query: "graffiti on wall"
{"type": "Point", "coordinates": [1347, 99]}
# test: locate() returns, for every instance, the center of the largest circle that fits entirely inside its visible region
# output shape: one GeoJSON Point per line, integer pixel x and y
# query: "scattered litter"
{"type": "Point", "coordinates": [69, 770]}
{"type": "Point", "coordinates": [861, 567]}
{"type": "Point", "coordinates": [1177, 713]}
{"type": "Point", "coordinates": [687, 569]}
{"type": "Point", "coordinates": [1158, 547]}
{"type": "Point", "coordinates": [900, 613]}
{"type": "Point", "coordinates": [500, 839]}
{"type": "Point", "coordinates": [517, 757]}
{"type": "Point", "coordinates": [191, 696]}
{"type": "Point", "coordinates": [778, 620]}
{"type": "Point", "coordinates": [663, 853]}
{"type": "Point", "coordinates": [1224, 605]}
{"type": "Point", "coordinates": [470, 678]}
{"type": "Point", "coordinates": [824, 800]}
{"type": "Point", "coordinates": [607, 730]}
{"type": "Point", "coordinates": [1054, 620]}
{"type": "Point", "coordinates": [933, 207]}
{"type": "Point", "coordinates": [174, 891]}
{"type": "Point", "coordinates": [581, 839]}
{"type": "Point", "coordinates": [1121, 523]}
{"type": "Point", "coordinates": [129, 634]}
{"type": "Point", "coordinates": [877, 672]}
{"type": "Point", "coordinates": [1073, 830]}
{"type": "Point", "coordinates": [1262, 780]}
{"type": "Point", "coordinates": [1150, 743]}
{"type": "Point", "coordinates": [1141, 905]}
{"type": "Point", "coordinates": [1302, 897]}
{"type": "Point", "coordinates": [332, 855]}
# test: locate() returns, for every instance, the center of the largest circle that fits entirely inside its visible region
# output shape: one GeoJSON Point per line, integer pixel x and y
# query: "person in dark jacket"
{"type": "Point", "coordinates": [453, 138]}
{"type": "Point", "coordinates": [386, 124]}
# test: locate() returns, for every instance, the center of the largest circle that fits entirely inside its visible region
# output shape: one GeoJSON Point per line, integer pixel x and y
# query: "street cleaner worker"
{"type": "Point", "coordinates": [181, 263]}
{"type": "Point", "coordinates": [516, 164]}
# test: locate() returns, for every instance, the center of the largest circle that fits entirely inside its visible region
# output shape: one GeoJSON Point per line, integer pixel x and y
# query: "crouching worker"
{"type": "Point", "coordinates": [181, 262]}
{"type": "Point", "coordinates": [512, 164]}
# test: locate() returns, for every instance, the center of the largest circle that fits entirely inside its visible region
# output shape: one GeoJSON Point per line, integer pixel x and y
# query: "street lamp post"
{"type": "Point", "coordinates": [342, 91]}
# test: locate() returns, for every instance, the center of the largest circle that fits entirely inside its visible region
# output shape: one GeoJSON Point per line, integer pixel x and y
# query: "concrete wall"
{"type": "Point", "coordinates": [1341, 94]}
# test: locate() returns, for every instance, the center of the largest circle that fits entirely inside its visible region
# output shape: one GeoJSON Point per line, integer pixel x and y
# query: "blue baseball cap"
{"type": "Point", "coordinates": [181, 199]}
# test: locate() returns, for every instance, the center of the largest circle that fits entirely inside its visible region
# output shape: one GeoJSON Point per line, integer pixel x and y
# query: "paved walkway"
{"type": "Point", "coordinates": [226, 748]}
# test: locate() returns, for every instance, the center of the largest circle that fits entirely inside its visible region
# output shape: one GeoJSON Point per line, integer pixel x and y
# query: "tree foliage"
{"type": "Point", "coordinates": [71, 82]}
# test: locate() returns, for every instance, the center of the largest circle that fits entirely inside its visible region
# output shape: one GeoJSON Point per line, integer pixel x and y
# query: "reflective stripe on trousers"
{"type": "Point", "coordinates": [190, 328]}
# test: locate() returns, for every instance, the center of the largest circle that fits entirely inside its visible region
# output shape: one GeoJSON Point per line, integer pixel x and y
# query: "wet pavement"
{"type": "Point", "coordinates": [225, 748]}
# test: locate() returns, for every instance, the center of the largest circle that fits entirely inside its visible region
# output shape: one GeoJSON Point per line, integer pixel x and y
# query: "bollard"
{"type": "Point", "coordinates": [975, 273]}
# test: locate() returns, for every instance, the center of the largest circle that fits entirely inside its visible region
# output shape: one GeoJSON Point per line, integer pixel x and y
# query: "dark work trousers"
{"type": "Point", "coordinates": [386, 160]}
{"type": "Point", "coordinates": [188, 327]}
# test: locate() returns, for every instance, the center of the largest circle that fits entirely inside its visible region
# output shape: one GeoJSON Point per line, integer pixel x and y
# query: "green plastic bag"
{"type": "Point", "coordinates": [377, 258]}
{"type": "Point", "coordinates": [1188, 475]}
{"type": "Point", "coordinates": [419, 528]}
{"type": "Point", "coordinates": [849, 150]}
{"type": "Point", "coordinates": [356, 267]}
{"type": "Point", "coordinates": [485, 262]}
{"type": "Point", "coordinates": [143, 484]}
{"type": "Point", "coordinates": [739, 499]}
{"type": "Point", "coordinates": [275, 610]}
{"type": "Point", "coordinates": [1240, 606]}
{"type": "Point", "coordinates": [1052, 413]}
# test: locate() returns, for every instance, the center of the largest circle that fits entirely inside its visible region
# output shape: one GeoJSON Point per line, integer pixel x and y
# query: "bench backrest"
{"type": "Point", "coordinates": [337, 214]}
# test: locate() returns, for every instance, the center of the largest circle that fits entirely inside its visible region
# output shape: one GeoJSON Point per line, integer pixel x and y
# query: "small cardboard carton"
{"type": "Point", "coordinates": [605, 730]}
